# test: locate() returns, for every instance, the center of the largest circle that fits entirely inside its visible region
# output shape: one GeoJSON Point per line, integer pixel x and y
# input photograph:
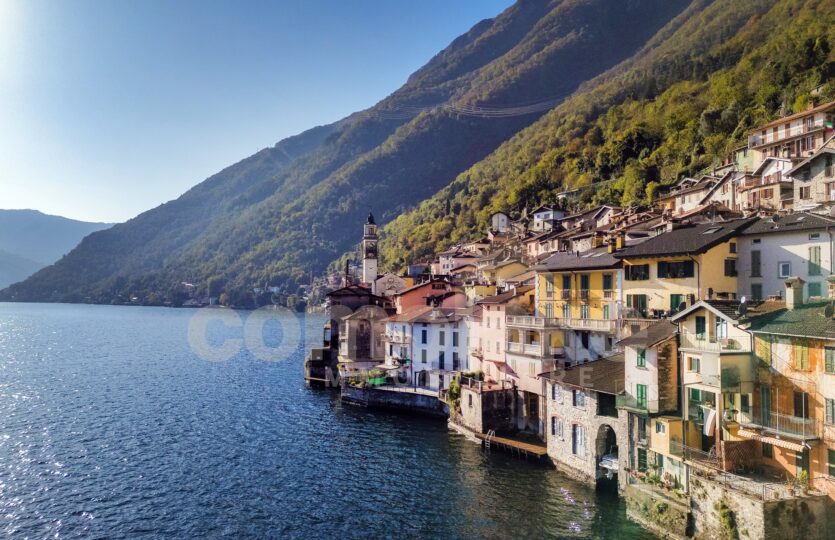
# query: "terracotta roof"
{"type": "Point", "coordinates": [687, 240]}
{"type": "Point", "coordinates": [605, 375]}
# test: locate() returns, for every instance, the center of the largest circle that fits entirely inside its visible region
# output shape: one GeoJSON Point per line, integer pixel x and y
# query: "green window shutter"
{"type": "Point", "coordinates": [829, 359]}
{"type": "Point", "coordinates": [642, 357]}
{"type": "Point", "coordinates": [607, 282]}
{"type": "Point", "coordinates": [830, 411]}
{"type": "Point", "coordinates": [814, 260]}
{"type": "Point", "coordinates": [641, 390]}
{"type": "Point", "coordinates": [701, 326]}
{"type": "Point", "coordinates": [831, 462]}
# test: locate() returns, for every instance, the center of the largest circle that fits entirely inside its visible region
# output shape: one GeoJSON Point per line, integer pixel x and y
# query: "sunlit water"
{"type": "Point", "coordinates": [111, 426]}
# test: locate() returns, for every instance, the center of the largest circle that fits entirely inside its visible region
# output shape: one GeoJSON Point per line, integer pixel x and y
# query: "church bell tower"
{"type": "Point", "coordinates": [369, 253]}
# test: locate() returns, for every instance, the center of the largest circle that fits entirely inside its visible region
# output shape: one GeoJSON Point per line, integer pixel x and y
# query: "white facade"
{"type": "Point", "coordinates": [435, 350]}
{"type": "Point", "coordinates": [783, 255]}
{"type": "Point", "coordinates": [499, 222]}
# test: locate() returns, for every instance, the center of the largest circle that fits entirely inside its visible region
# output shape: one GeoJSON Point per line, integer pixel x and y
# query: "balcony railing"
{"type": "Point", "coordinates": [584, 294]}
{"type": "Point", "coordinates": [783, 424]}
{"type": "Point", "coordinates": [598, 325]}
{"type": "Point", "coordinates": [608, 294]}
{"type": "Point", "coordinates": [565, 294]}
{"type": "Point", "coordinates": [398, 338]}
{"type": "Point", "coordinates": [757, 139]}
{"type": "Point", "coordinates": [628, 401]}
{"type": "Point", "coordinates": [533, 349]}
{"type": "Point", "coordinates": [703, 342]}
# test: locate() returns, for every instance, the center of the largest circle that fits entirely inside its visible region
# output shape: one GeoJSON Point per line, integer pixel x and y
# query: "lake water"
{"type": "Point", "coordinates": [112, 426]}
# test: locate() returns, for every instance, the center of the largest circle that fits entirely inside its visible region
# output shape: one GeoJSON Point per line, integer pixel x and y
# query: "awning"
{"type": "Point", "coordinates": [774, 441]}
{"type": "Point", "coordinates": [388, 367]}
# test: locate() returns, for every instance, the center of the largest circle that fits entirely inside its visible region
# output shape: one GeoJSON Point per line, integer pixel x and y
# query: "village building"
{"type": "Point", "coordinates": [427, 345]}
{"type": "Point", "coordinates": [390, 284]}
{"type": "Point", "coordinates": [679, 267]}
{"type": "Point", "coordinates": [435, 292]}
{"type": "Point", "coordinates": [768, 188]}
{"type": "Point", "coordinates": [773, 249]}
{"type": "Point", "coordinates": [814, 179]}
{"type": "Point", "coordinates": [361, 345]}
{"type": "Point", "coordinates": [499, 223]}
{"type": "Point", "coordinates": [650, 402]}
{"type": "Point", "coordinates": [584, 425]}
{"type": "Point", "coordinates": [794, 136]}
{"type": "Point", "coordinates": [545, 218]}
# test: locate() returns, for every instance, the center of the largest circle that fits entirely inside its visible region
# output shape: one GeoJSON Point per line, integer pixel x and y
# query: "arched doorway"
{"type": "Point", "coordinates": [606, 456]}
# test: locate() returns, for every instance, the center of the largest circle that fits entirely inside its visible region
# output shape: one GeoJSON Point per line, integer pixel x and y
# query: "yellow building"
{"type": "Point", "coordinates": [498, 272]}
{"type": "Point", "coordinates": [580, 295]}
{"type": "Point", "coordinates": [681, 266]}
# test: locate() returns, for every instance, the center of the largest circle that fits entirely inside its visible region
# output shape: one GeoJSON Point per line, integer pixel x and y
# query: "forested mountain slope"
{"type": "Point", "coordinates": [284, 213]}
{"type": "Point", "coordinates": [682, 102]}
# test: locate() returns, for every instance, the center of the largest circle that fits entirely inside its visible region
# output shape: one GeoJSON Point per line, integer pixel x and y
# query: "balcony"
{"type": "Point", "coordinates": [400, 339]}
{"type": "Point", "coordinates": [538, 350]}
{"type": "Point", "coordinates": [478, 352]}
{"type": "Point", "coordinates": [608, 294]}
{"type": "Point", "coordinates": [703, 342]}
{"type": "Point", "coordinates": [631, 403]}
{"type": "Point", "coordinates": [565, 294]}
{"type": "Point", "coordinates": [594, 325]}
{"type": "Point", "coordinates": [783, 424]}
{"type": "Point", "coordinates": [584, 294]}
{"type": "Point", "coordinates": [757, 139]}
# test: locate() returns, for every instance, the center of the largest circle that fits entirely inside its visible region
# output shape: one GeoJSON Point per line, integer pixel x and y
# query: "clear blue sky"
{"type": "Point", "coordinates": [109, 108]}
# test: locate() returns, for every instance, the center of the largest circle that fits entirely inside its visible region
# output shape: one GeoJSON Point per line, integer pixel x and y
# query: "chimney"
{"type": "Point", "coordinates": [794, 292]}
{"type": "Point", "coordinates": [611, 245]}
{"type": "Point", "coordinates": [596, 240]}
{"type": "Point", "coordinates": [620, 240]}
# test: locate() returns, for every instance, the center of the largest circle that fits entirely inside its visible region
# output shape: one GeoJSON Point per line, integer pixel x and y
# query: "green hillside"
{"type": "Point", "coordinates": [286, 212]}
{"type": "Point", "coordinates": [673, 109]}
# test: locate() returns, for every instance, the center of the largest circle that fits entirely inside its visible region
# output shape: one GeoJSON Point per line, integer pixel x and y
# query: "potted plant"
{"type": "Point", "coordinates": [803, 480]}
{"type": "Point", "coordinates": [790, 485]}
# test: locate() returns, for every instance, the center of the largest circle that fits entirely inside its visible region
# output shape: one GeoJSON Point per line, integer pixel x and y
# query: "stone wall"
{"type": "Point", "coordinates": [665, 516]}
{"type": "Point", "coordinates": [423, 404]}
{"type": "Point", "coordinates": [483, 411]}
{"type": "Point", "coordinates": [720, 512]}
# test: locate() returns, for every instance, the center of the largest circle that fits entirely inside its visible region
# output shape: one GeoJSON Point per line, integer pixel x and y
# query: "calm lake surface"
{"type": "Point", "coordinates": [112, 426]}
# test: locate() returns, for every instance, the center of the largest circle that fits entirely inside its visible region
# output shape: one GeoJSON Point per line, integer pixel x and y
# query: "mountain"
{"type": "Point", "coordinates": [30, 240]}
{"type": "Point", "coordinates": [688, 97]}
{"type": "Point", "coordinates": [283, 214]}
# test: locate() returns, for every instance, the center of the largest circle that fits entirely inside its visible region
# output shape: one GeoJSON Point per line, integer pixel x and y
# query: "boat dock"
{"type": "Point", "coordinates": [514, 446]}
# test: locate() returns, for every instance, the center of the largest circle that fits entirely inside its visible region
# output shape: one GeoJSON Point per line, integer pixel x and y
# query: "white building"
{"type": "Point", "coordinates": [500, 222]}
{"type": "Point", "coordinates": [427, 345]}
{"type": "Point", "coordinates": [776, 248]}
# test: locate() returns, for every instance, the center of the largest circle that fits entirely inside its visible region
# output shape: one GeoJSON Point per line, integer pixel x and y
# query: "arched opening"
{"type": "Point", "coordinates": [606, 457]}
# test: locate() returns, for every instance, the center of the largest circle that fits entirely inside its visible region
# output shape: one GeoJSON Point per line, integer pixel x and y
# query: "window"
{"type": "Point", "coordinates": [814, 289]}
{"type": "Point", "coordinates": [660, 427]}
{"type": "Point", "coordinates": [701, 327]}
{"type": "Point", "coordinates": [566, 311]}
{"type": "Point", "coordinates": [768, 451]}
{"type": "Point", "coordinates": [642, 358]}
{"type": "Point", "coordinates": [694, 364]}
{"type": "Point", "coordinates": [441, 360]}
{"type": "Point", "coordinates": [675, 301]}
{"type": "Point", "coordinates": [641, 391]}
{"type": "Point", "coordinates": [498, 323]}
{"type": "Point", "coordinates": [814, 260]}
{"type": "Point", "coordinates": [720, 328]}
{"type": "Point", "coordinates": [636, 272]}
{"type": "Point", "coordinates": [756, 261]}
{"type": "Point", "coordinates": [831, 461]}
{"type": "Point", "coordinates": [556, 393]}
{"type": "Point", "coordinates": [579, 398]}
{"type": "Point", "coordinates": [806, 192]}
{"type": "Point", "coordinates": [784, 269]}
{"type": "Point", "coordinates": [801, 404]}
{"type": "Point", "coordinates": [675, 270]}
{"type": "Point", "coordinates": [801, 356]}
{"type": "Point", "coordinates": [584, 339]}
{"type": "Point", "coordinates": [578, 440]}
{"type": "Point", "coordinates": [455, 362]}
{"type": "Point", "coordinates": [441, 338]}
{"type": "Point", "coordinates": [756, 291]}
{"type": "Point", "coordinates": [642, 459]}
{"type": "Point", "coordinates": [814, 236]}
{"type": "Point", "coordinates": [423, 356]}
{"type": "Point", "coordinates": [556, 427]}
{"type": "Point", "coordinates": [745, 403]}
{"type": "Point", "coordinates": [730, 267]}
{"type": "Point", "coordinates": [762, 349]}
{"type": "Point", "coordinates": [549, 285]}
{"type": "Point", "coordinates": [470, 400]}
{"type": "Point", "coordinates": [642, 428]}
{"type": "Point", "coordinates": [607, 282]}
{"type": "Point", "coordinates": [584, 311]}
{"type": "Point", "coordinates": [829, 359]}
{"type": "Point", "coordinates": [566, 282]}
{"type": "Point", "coordinates": [732, 247]}
{"type": "Point", "coordinates": [455, 339]}
{"type": "Point", "coordinates": [606, 311]}
{"type": "Point", "coordinates": [423, 336]}
{"type": "Point", "coordinates": [549, 311]}
{"type": "Point", "coordinates": [830, 411]}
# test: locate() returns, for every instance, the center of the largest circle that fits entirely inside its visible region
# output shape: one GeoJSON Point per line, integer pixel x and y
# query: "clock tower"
{"type": "Point", "coordinates": [369, 253]}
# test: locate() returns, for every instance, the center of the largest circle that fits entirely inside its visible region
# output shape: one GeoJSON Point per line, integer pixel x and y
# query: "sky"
{"type": "Point", "coordinates": [110, 108]}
